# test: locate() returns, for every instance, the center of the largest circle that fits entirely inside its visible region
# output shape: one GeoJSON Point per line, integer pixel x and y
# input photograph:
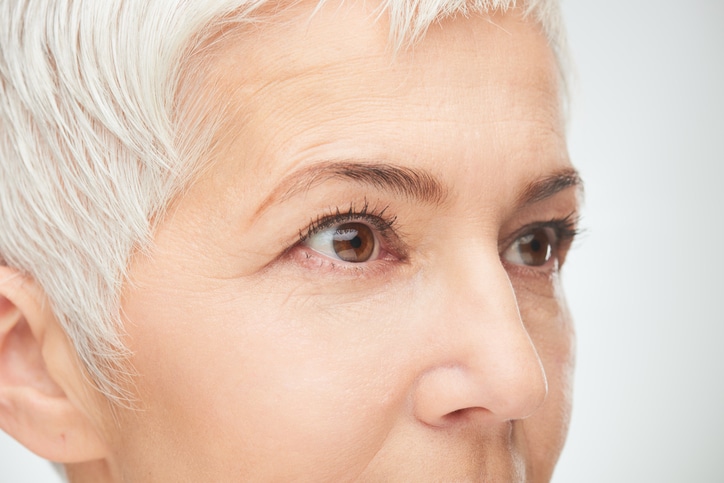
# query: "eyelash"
{"type": "Point", "coordinates": [377, 219]}
{"type": "Point", "coordinates": [565, 229]}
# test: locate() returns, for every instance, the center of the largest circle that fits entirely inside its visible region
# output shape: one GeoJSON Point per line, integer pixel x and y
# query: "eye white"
{"type": "Point", "coordinates": [322, 242]}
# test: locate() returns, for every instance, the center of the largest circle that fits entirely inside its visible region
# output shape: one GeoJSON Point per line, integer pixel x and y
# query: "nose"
{"type": "Point", "coordinates": [481, 362]}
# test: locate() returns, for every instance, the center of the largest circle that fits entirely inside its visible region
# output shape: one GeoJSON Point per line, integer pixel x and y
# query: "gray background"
{"type": "Point", "coordinates": [645, 281]}
{"type": "Point", "coordinates": [645, 284]}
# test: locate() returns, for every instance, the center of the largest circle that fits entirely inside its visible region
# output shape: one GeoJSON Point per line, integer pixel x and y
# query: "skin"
{"type": "Point", "coordinates": [443, 359]}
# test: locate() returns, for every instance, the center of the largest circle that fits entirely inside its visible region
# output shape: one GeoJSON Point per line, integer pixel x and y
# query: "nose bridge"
{"type": "Point", "coordinates": [485, 359]}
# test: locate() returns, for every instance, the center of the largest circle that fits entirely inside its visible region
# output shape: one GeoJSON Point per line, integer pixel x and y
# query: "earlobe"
{"type": "Point", "coordinates": [39, 378]}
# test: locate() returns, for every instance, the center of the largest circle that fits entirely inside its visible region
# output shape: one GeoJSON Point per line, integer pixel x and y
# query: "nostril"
{"type": "Point", "coordinates": [465, 416]}
{"type": "Point", "coordinates": [454, 417]}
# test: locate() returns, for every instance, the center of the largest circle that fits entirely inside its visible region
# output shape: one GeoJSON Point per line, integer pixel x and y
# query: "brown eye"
{"type": "Point", "coordinates": [533, 249]}
{"type": "Point", "coordinates": [354, 242]}
{"type": "Point", "coordinates": [350, 242]}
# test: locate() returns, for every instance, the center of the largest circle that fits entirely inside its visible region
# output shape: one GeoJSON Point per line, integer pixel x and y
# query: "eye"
{"type": "Point", "coordinates": [533, 249]}
{"type": "Point", "coordinates": [350, 242]}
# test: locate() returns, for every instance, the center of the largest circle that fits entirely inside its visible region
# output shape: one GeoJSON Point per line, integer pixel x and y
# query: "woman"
{"type": "Point", "coordinates": [271, 242]}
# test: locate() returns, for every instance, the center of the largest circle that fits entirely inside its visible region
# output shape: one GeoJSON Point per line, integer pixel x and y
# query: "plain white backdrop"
{"type": "Point", "coordinates": [645, 282]}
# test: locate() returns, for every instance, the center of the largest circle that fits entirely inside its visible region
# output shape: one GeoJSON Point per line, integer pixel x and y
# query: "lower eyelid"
{"type": "Point", "coordinates": [542, 273]}
{"type": "Point", "coordinates": [315, 263]}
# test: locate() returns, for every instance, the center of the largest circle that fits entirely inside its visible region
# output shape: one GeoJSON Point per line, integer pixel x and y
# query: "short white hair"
{"type": "Point", "coordinates": [91, 144]}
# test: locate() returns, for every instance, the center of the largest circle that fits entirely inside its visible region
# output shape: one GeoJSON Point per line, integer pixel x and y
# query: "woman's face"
{"type": "Point", "coordinates": [364, 285]}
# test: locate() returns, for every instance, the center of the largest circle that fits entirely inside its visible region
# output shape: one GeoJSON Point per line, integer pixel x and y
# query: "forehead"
{"type": "Point", "coordinates": [349, 46]}
{"type": "Point", "coordinates": [308, 85]}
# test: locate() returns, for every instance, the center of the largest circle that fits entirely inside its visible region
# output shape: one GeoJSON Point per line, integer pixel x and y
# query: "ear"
{"type": "Point", "coordinates": [41, 384]}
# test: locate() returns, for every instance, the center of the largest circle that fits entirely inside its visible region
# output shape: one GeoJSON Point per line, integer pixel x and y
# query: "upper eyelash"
{"type": "Point", "coordinates": [377, 218]}
{"type": "Point", "coordinates": [566, 228]}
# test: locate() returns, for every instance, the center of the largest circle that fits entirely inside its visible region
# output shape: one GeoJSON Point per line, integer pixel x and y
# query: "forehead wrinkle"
{"type": "Point", "coordinates": [414, 184]}
{"type": "Point", "coordinates": [253, 95]}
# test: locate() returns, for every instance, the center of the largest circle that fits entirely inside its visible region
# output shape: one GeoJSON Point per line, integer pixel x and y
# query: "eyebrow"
{"type": "Point", "coordinates": [411, 183]}
{"type": "Point", "coordinates": [548, 186]}
{"type": "Point", "coordinates": [415, 184]}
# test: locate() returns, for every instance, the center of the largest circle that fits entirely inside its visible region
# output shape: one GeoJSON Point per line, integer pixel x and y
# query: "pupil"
{"type": "Point", "coordinates": [535, 245]}
{"type": "Point", "coordinates": [356, 242]}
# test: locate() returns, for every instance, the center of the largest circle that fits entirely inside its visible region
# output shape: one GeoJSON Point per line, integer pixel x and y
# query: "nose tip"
{"type": "Point", "coordinates": [484, 364]}
{"type": "Point", "coordinates": [496, 392]}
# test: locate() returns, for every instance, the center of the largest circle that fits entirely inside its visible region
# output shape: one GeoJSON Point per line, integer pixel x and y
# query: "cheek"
{"type": "Point", "coordinates": [549, 324]}
{"type": "Point", "coordinates": [545, 315]}
{"type": "Point", "coordinates": [270, 372]}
